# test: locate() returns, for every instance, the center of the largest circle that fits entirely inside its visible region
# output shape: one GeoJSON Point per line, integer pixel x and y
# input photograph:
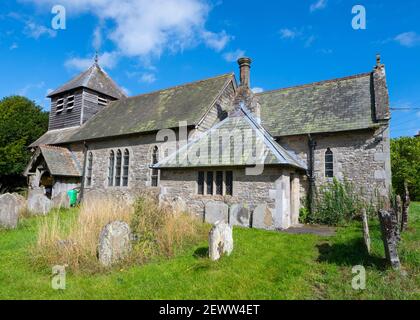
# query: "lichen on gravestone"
{"type": "Point", "coordinates": [390, 233]}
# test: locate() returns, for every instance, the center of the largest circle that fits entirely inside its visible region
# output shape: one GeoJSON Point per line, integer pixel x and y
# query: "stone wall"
{"type": "Point", "coordinates": [362, 157]}
{"type": "Point", "coordinates": [140, 148]}
{"type": "Point", "coordinates": [249, 190]}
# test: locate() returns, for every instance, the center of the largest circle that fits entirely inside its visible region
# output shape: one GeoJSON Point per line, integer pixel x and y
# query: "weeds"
{"type": "Point", "coordinates": [337, 203]}
{"type": "Point", "coordinates": [158, 231]}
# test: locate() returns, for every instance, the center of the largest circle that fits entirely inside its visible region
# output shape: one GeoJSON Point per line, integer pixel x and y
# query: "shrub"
{"type": "Point", "coordinates": [337, 203]}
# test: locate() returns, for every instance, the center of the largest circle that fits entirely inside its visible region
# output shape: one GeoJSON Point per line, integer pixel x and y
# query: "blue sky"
{"type": "Point", "coordinates": [147, 45]}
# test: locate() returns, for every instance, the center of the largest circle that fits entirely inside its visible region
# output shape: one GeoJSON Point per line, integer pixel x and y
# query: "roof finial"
{"type": "Point", "coordinates": [378, 59]}
{"type": "Point", "coordinates": [96, 57]}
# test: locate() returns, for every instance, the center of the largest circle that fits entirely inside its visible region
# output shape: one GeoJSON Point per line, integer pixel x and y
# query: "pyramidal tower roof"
{"type": "Point", "coordinates": [95, 78]}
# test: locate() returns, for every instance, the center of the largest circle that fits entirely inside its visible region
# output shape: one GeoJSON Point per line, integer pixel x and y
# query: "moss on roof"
{"type": "Point", "coordinates": [154, 111]}
{"type": "Point", "coordinates": [328, 106]}
{"type": "Point", "coordinates": [60, 161]}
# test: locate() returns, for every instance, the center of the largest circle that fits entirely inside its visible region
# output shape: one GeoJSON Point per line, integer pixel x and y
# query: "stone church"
{"type": "Point", "coordinates": [214, 145]}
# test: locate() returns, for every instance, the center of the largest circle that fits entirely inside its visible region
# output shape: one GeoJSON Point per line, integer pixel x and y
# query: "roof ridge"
{"type": "Point", "coordinates": [359, 75]}
{"type": "Point", "coordinates": [179, 86]}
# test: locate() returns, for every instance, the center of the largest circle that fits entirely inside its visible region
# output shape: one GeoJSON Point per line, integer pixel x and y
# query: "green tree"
{"type": "Point", "coordinates": [405, 159]}
{"type": "Point", "coordinates": [21, 123]}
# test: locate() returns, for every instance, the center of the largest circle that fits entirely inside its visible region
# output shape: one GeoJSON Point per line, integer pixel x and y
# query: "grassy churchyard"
{"type": "Point", "coordinates": [263, 265]}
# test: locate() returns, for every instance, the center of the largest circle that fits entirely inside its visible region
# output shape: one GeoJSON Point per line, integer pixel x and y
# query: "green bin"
{"type": "Point", "coordinates": [73, 197]}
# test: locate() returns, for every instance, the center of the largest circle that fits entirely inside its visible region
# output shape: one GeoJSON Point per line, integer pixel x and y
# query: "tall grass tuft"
{"type": "Point", "coordinates": [160, 233]}
{"type": "Point", "coordinates": [75, 242]}
{"type": "Point", "coordinates": [163, 232]}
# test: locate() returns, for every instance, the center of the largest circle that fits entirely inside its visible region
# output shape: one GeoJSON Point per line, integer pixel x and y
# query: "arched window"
{"type": "Point", "coordinates": [126, 165]}
{"type": "Point", "coordinates": [118, 169]}
{"type": "Point", "coordinates": [89, 170]}
{"type": "Point", "coordinates": [155, 172]}
{"type": "Point", "coordinates": [111, 168]}
{"type": "Point", "coordinates": [329, 163]}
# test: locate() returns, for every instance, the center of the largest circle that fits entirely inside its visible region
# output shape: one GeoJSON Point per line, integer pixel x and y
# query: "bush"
{"type": "Point", "coordinates": [73, 241]}
{"type": "Point", "coordinates": [337, 203]}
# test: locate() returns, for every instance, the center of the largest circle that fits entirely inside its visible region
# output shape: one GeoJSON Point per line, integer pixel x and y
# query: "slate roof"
{"type": "Point", "coordinates": [154, 111]}
{"type": "Point", "coordinates": [58, 136]}
{"type": "Point", "coordinates": [95, 78]}
{"type": "Point", "coordinates": [334, 105]}
{"type": "Point", "coordinates": [60, 161]}
{"type": "Point", "coordinates": [242, 141]}
{"type": "Point", "coordinates": [329, 106]}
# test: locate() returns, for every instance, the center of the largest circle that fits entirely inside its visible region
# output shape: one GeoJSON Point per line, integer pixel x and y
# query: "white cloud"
{"type": "Point", "coordinates": [233, 56]}
{"type": "Point", "coordinates": [309, 41]}
{"type": "Point", "coordinates": [36, 31]}
{"type": "Point", "coordinates": [289, 33]}
{"type": "Point", "coordinates": [30, 87]}
{"type": "Point", "coordinates": [300, 34]}
{"type": "Point", "coordinates": [97, 38]}
{"type": "Point", "coordinates": [107, 60]}
{"type": "Point", "coordinates": [257, 90]}
{"type": "Point", "coordinates": [418, 114]}
{"type": "Point", "coordinates": [216, 41]}
{"type": "Point", "coordinates": [319, 5]}
{"type": "Point", "coordinates": [146, 29]}
{"type": "Point", "coordinates": [408, 39]}
{"type": "Point", "coordinates": [13, 46]}
{"type": "Point", "coordinates": [148, 77]}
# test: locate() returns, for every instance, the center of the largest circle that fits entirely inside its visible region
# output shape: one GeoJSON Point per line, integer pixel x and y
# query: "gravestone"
{"type": "Point", "coordinates": [406, 206]}
{"type": "Point", "coordinates": [216, 211]}
{"type": "Point", "coordinates": [38, 203]}
{"type": "Point", "coordinates": [220, 241]}
{"type": "Point", "coordinates": [366, 234]}
{"type": "Point", "coordinates": [114, 243]}
{"type": "Point", "coordinates": [262, 218]}
{"type": "Point", "coordinates": [11, 205]}
{"type": "Point", "coordinates": [389, 237]}
{"type": "Point", "coordinates": [239, 215]}
{"type": "Point", "coordinates": [398, 209]}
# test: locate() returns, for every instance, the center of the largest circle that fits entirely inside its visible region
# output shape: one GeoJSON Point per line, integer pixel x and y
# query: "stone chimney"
{"type": "Point", "coordinates": [244, 93]}
{"type": "Point", "coordinates": [245, 71]}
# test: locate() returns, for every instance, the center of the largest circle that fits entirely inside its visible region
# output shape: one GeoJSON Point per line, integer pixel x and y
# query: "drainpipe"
{"type": "Point", "coordinates": [311, 173]}
{"type": "Point", "coordinates": [82, 184]}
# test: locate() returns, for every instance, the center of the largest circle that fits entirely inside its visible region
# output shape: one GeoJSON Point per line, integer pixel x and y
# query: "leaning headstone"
{"type": "Point", "coordinates": [239, 215]}
{"type": "Point", "coordinates": [366, 234]}
{"type": "Point", "coordinates": [11, 205]}
{"type": "Point", "coordinates": [262, 218]}
{"type": "Point", "coordinates": [114, 243]}
{"type": "Point", "coordinates": [389, 237]}
{"type": "Point", "coordinates": [61, 200]}
{"type": "Point", "coordinates": [38, 203]}
{"type": "Point", "coordinates": [405, 208]}
{"type": "Point", "coordinates": [220, 241]}
{"type": "Point", "coordinates": [216, 211]}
